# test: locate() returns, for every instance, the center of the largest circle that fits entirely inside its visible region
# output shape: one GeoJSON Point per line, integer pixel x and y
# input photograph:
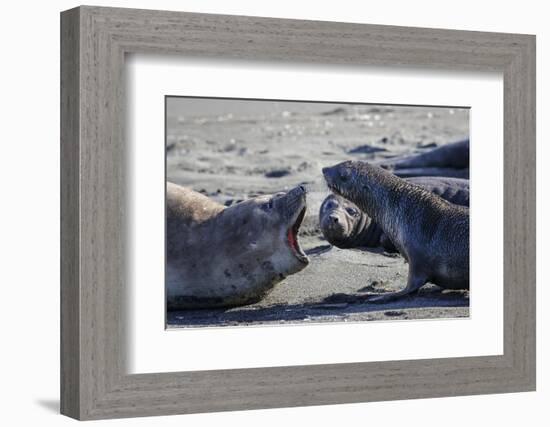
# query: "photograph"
{"type": "Point", "coordinates": [288, 212]}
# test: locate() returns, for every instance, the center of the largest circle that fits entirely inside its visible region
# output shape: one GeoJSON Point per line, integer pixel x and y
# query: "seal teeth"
{"type": "Point", "coordinates": [299, 220]}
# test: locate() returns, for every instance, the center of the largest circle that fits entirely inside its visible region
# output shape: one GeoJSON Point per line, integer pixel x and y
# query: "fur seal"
{"type": "Point", "coordinates": [428, 231]}
{"type": "Point", "coordinates": [345, 225]}
{"type": "Point", "coordinates": [221, 257]}
{"type": "Point", "coordinates": [451, 160]}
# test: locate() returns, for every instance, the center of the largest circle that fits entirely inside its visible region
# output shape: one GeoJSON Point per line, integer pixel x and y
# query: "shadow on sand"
{"type": "Point", "coordinates": [334, 306]}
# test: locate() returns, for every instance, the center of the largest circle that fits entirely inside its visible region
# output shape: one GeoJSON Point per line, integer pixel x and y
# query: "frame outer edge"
{"type": "Point", "coordinates": [520, 216]}
{"type": "Point", "coordinates": [70, 387]}
{"type": "Point", "coordinates": [532, 207]}
{"type": "Point", "coordinates": [526, 86]}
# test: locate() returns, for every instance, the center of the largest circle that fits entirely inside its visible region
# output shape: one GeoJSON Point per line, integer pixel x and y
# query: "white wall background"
{"type": "Point", "coordinates": [29, 212]}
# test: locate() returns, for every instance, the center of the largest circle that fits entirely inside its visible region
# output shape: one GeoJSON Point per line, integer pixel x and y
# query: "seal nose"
{"type": "Point", "coordinates": [334, 219]}
{"type": "Point", "coordinates": [301, 187]}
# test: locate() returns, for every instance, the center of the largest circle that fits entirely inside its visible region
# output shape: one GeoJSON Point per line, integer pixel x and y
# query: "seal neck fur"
{"type": "Point", "coordinates": [366, 232]}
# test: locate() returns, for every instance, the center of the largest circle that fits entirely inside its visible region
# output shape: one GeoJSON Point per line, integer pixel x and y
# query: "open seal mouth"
{"type": "Point", "coordinates": [292, 238]}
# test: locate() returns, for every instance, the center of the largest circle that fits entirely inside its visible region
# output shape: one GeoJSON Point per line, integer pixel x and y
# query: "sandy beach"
{"type": "Point", "coordinates": [232, 150]}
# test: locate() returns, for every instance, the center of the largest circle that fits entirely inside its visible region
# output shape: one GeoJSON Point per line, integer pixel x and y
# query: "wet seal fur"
{"type": "Point", "coordinates": [428, 231]}
{"type": "Point", "coordinates": [223, 257]}
{"type": "Point", "coordinates": [345, 225]}
{"type": "Point", "coordinates": [450, 160]}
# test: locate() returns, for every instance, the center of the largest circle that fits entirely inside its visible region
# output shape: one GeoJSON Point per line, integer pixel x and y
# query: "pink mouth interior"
{"type": "Point", "coordinates": [293, 231]}
{"type": "Point", "coordinates": [292, 239]}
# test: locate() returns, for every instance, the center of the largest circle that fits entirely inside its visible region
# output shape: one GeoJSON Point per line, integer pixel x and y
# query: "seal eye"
{"type": "Point", "coordinates": [345, 175]}
{"type": "Point", "coordinates": [352, 211]}
{"type": "Point", "coordinates": [268, 205]}
{"type": "Point", "coordinates": [329, 205]}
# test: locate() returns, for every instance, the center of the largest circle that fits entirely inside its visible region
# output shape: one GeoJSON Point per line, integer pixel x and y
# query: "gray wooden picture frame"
{"type": "Point", "coordinates": [94, 41]}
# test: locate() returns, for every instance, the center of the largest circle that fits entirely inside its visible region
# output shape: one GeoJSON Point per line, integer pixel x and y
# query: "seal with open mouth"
{"type": "Point", "coordinates": [222, 257]}
{"type": "Point", "coordinates": [428, 231]}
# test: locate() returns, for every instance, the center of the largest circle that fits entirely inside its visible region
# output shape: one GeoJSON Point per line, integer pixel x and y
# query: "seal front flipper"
{"type": "Point", "coordinates": [414, 283]}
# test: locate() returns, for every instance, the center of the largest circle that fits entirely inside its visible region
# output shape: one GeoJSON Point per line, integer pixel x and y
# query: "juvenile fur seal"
{"type": "Point", "coordinates": [220, 257]}
{"type": "Point", "coordinates": [428, 231]}
{"type": "Point", "coordinates": [345, 225]}
{"type": "Point", "coordinates": [451, 160]}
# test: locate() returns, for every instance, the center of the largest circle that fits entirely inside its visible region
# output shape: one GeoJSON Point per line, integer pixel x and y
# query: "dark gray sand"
{"type": "Point", "coordinates": [231, 151]}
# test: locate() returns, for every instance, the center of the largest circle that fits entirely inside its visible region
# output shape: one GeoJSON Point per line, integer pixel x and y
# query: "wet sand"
{"type": "Point", "coordinates": [233, 152]}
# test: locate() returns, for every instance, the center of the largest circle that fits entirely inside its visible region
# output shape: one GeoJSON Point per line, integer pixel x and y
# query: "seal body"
{"type": "Point", "coordinates": [220, 257]}
{"type": "Point", "coordinates": [345, 225]}
{"type": "Point", "coordinates": [431, 233]}
{"type": "Point", "coordinates": [454, 190]}
{"type": "Point", "coordinates": [450, 160]}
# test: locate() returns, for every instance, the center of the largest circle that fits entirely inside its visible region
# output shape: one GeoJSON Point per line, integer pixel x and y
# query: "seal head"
{"type": "Point", "coordinates": [344, 225]}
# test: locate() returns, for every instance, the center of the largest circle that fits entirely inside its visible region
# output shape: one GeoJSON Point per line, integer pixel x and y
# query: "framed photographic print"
{"type": "Point", "coordinates": [261, 213]}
